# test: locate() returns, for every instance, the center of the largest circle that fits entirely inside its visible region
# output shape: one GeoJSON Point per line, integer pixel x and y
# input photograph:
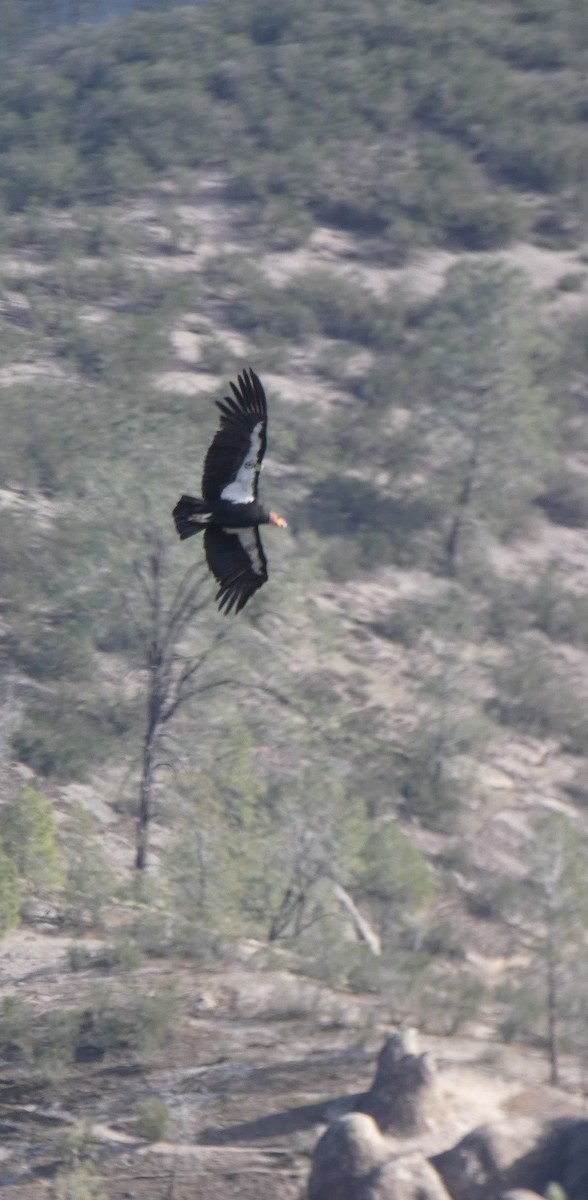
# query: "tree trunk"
{"type": "Point", "coordinates": [145, 794]}
{"type": "Point", "coordinates": [463, 501]}
{"type": "Point", "coordinates": [552, 1026]}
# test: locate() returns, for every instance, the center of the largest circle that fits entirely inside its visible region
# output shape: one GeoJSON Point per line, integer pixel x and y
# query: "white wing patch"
{"type": "Point", "coordinates": [240, 490]}
{"type": "Point", "coordinates": [248, 541]}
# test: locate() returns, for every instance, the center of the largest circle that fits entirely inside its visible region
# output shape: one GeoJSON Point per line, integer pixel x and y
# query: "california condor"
{"type": "Point", "coordinates": [229, 511]}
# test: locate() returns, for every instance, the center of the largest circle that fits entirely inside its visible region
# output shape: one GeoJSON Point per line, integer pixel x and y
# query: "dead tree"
{"type": "Point", "coordinates": [173, 677]}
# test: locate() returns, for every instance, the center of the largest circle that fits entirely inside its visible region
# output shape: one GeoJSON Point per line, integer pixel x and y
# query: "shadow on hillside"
{"type": "Point", "coordinates": [281, 1124]}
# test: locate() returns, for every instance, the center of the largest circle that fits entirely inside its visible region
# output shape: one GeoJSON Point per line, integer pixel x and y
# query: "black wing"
{"type": "Point", "coordinates": [233, 462]}
{"type": "Point", "coordinates": [237, 562]}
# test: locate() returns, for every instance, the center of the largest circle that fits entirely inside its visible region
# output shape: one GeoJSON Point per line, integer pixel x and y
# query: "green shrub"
{"type": "Point", "coordinates": [286, 224]}
{"type": "Point", "coordinates": [566, 500]}
{"type": "Point", "coordinates": [29, 833]}
{"type": "Point", "coordinates": [409, 619]}
{"type": "Point", "coordinates": [51, 651]}
{"type": "Point", "coordinates": [346, 310]}
{"type": "Point", "coordinates": [164, 94]}
{"type": "Point", "coordinates": [122, 955]}
{"type": "Point", "coordinates": [545, 603]}
{"type": "Point", "coordinates": [56, 1039]}
{"type": "Point", "coordinates": [342, 504]}
{"type": "Point", "coordinates": [485, 222]}
{"type": "Point", "coordinates": [333, 960]}
{"type": "Point", "coordinates": [140, 1023]}
{"type": "Point", "coordinates": [10, 893]}
{"type": "Point", "coordinates": [490, 898]}
{"type": "Point", "coordinates": [523, 1008]}
{"type": "Point", "coordinates": [535, 693]}
{"type": "Point", "coordinates": [394, 876]}
{"type": "Point", "coordinates": [507, 613]}
{"type": "Point", "coordinates": [429, 791]}
{"type": "Point", "coordinates": [90, 881]}
{"type": "Point", "coordinates": [385, 383]}
{"type": "Point", "coordinates": [559, 613]}
{"type": "Point", "coordinates": [448, 1001]}
{"type": "Point", "coordinates": [152, 1119]}
{"type": "Point", "coordinates": [16, 1029]}
{"type": "Point", "coordinates": [535, 47]}
{"type": "Point", "coordinates": [443, 940]}
{"type": "Point", "coordinates": [255, 305]}
{"type": "Point", "coordinates": [80, 1183]}
{"type": "Point", "coordinates": [64, 735]}
{"type": "Point", "coordinates": [79, 957]}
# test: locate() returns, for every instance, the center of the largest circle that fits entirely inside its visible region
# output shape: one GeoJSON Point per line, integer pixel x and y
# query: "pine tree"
{"type": "Point", "coordinates": [486, 428]}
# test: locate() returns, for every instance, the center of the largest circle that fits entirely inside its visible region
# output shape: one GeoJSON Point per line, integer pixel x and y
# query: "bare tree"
{"type": "Point", "coordinates": [174, 678]}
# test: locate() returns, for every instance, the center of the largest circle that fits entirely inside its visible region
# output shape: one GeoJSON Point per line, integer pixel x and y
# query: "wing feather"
{"type": "Point", "coordinates": [233, 461]}
{"type": "Point", "coordinates": [238, 563]}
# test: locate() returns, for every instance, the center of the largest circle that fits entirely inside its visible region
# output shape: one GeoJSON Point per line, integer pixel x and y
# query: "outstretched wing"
{"type": "Point", "coordinates": [233, 462]}
{"type": "Point", "coordinates": [237, 562]}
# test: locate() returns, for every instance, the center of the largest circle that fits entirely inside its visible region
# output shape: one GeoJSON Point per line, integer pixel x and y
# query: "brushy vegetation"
{"type": "Point", "coordinates": [29, 835]}
{"type": "Point", "coordinates": [152, 1118]}
{"type": "Point", "coordinates": [433, 125]}
{"type": "Point", "coordinates": [138, 1025]}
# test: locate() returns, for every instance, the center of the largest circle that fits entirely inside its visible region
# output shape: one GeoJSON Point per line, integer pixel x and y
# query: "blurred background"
{"type": "Point", "coordinates": [382, 207]}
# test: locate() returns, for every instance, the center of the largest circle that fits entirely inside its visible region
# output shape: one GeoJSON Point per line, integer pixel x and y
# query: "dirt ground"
{"type": "Point", "coordinates": [259, 1062]}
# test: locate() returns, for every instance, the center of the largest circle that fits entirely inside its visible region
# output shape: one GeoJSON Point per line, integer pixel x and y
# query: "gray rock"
{"type": "Point", "coordinates": [403, 1096]}
{"type": "Point", "coordinates": [404, 1177]}
{"type": "Point", "coordinates": [347, 1154]}
{"type": "Point", "coordinates": [519, 1153]}
{"type": "Point", "coordinates": [353, 1161]}
{"type": "Point", "coordinates": [574, 1178]}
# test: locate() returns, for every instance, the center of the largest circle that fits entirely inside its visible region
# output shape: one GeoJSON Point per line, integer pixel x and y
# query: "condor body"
{"type": "Point", "coordinates": [229, 512]}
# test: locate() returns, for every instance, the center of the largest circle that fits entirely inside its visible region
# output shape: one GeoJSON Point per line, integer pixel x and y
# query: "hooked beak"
{"type": "Point", "coordinates": [275, 519]}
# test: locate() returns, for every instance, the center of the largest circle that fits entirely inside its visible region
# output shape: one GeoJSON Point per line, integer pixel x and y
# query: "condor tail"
{"type": "Point", "coordinates": [191, 516]}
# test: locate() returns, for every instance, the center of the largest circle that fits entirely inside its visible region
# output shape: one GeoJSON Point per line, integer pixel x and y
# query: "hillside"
{"type": "Point", "coordinates": [381, 209]}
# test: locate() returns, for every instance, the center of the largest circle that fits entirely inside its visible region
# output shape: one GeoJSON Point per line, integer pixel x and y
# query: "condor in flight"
{"type": "Point", "coordinates": [229, 512]}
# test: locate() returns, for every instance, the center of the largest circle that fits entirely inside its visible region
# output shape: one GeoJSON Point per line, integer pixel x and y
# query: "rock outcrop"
{"type": "Point", "coordinates": [360, 1156]}
{"type": "Point", "coordinates": [574, 1178]}
{"type": "Point", "coordinates": [405, 1177]}
{"type": "Point", "coordinates": [353, 1161]}
{"type": "Point", "coordinates": [520, 1152]}
{"type": "Point", "coordinates": [347, 1155]}
{"type": "Point", "coordinates": [403, 1097]}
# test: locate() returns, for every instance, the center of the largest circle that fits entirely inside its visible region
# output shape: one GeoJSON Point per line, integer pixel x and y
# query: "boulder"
{"type": "Point", "coordinates": [353, 1161]}
{"type": "Point", "coordinates": [360, 1157]}
{"type": "Point", "coordinates": [520, 1153]}
{"type": "Point", "coordinates": [403, 1097]}
{"type": "Point", "coordinates": [574, 1178]}
{"type": "Point", "coordinates": [404, 1177]}
{"type": "Point", "coordinates": [347, 1154]}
